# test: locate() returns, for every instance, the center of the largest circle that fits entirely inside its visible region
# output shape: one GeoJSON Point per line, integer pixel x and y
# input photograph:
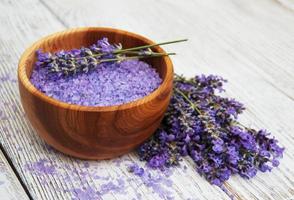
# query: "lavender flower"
{"type": "Point", "coordinates": [85, 59]}
{"type": "Point", "coordinates": [203, 125]}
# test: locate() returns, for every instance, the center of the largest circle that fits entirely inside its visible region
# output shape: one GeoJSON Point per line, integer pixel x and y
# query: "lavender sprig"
{"type": "Point", "coordinates": [203, 125]}
{"type": "Point", "coordinates": [85, 59]}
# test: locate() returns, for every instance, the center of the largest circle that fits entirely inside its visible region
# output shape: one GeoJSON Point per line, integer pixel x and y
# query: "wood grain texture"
{"type": "Point", "coordinates": [90, 132]}
{"type": "Point", "coordinates": [10, 187]}
{"type": "Point", "coordinates": [248, 42]}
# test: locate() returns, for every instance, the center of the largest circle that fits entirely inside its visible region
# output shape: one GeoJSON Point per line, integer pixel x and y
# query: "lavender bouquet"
{"type": "Point", "coordinates": [203, 125]}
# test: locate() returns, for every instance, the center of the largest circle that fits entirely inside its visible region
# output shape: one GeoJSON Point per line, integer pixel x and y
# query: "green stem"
{"type": "Point", "coordinates": [191, 103]}
{"type": "Point", "coordinates": [148, 46]}
{"type": "Point", "coordinates": [125, 52]}
{"type": "Point", "coordinates": [136, 57]}
{"type": "Point", "coordinates": [140, 53]}
{"type": "Point", "coordinates": [238, 123]}
{"type": "Point", "coordinates": [133, 50]}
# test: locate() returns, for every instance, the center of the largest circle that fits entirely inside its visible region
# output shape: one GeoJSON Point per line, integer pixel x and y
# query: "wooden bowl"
{"type": "Point", "coordinates": [91, 132]}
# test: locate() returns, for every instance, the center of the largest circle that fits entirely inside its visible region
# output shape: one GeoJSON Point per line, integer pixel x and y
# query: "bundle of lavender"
{"type": "Point", "coordinates": [203, 125]}
{"type": "Point", "coordinates": [87, 58]}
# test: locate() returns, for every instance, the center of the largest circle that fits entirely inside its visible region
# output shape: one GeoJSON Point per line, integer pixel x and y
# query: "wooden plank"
{"type": "Point", "coordinates": [245, 41]}
{"type": "Point", "coordinates": [20, 28]}
{"type": "Point", "coordinates": [10, 187]}
{"type": "Point", "coordinates": [289, 4]}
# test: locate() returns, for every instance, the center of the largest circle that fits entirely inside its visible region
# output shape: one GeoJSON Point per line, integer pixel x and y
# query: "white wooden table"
{"type": "Point", "coordinates": [249, 42]}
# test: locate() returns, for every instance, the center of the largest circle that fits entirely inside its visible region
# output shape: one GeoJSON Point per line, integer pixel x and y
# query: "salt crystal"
{"type": "Point", "coordinates": [106, 85]}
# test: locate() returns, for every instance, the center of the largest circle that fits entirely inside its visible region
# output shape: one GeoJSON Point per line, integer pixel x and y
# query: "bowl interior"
{"type": "Point", "coordinates": [85, 37]}
{"type": "Point", "coordinates": [79, 37]}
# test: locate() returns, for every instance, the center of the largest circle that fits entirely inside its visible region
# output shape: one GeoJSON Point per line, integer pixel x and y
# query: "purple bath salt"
{"type": "Point", "coordinates": [111, 83]}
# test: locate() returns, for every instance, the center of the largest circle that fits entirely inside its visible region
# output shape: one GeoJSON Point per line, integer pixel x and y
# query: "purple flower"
{"type": "Point", "coordinates": [218, 161]}
{"type": "Point", "coordinates": [245, 136]}
{"type": "Point", "coordinates": [233, 155]}
{"type": "Point", "coordinates": [225, 174]}
{"type": "Point", "coordinates": [75, 52]}
{"type": "Point", "coordinates": [170, 138]}
{"type": "Point", "coordinates": [236, 130]}
{"type": "Point", "coordinates": [217, 148]}
{"type": "Point", "coordinates": [264, 167]}
{"type": "Point", "coordinates": [251, 172]}
{"type": "Point", "coordinates": [187, 139]}
{"type": "Point", "coordinates": [157, 161]}
{"type": "Point", "coordinates": [274, 147]}
{"type": "Point", "coordinates": [275, 163]}
{"type": "Point", "coordinates": [134, 168]}
{"type": "Point", "coordinates": [196, 156]}
{"type": "Point", "coordinates": [265, 153]}
{"type": "Point", "coordinates": [216, 181]}
{"type": "Point", "coordinates": [218, 145]}
{"type": "Point", "coordinates": [201, 124]}
{"type": "Point", "coordinates": [104, 45]}
{"type": "Point", "coordinates": [162, 136]}
{"type": "Point", "coordinates": [184, 151]}
{"type": "Point", "coordinates": [206, 168]}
